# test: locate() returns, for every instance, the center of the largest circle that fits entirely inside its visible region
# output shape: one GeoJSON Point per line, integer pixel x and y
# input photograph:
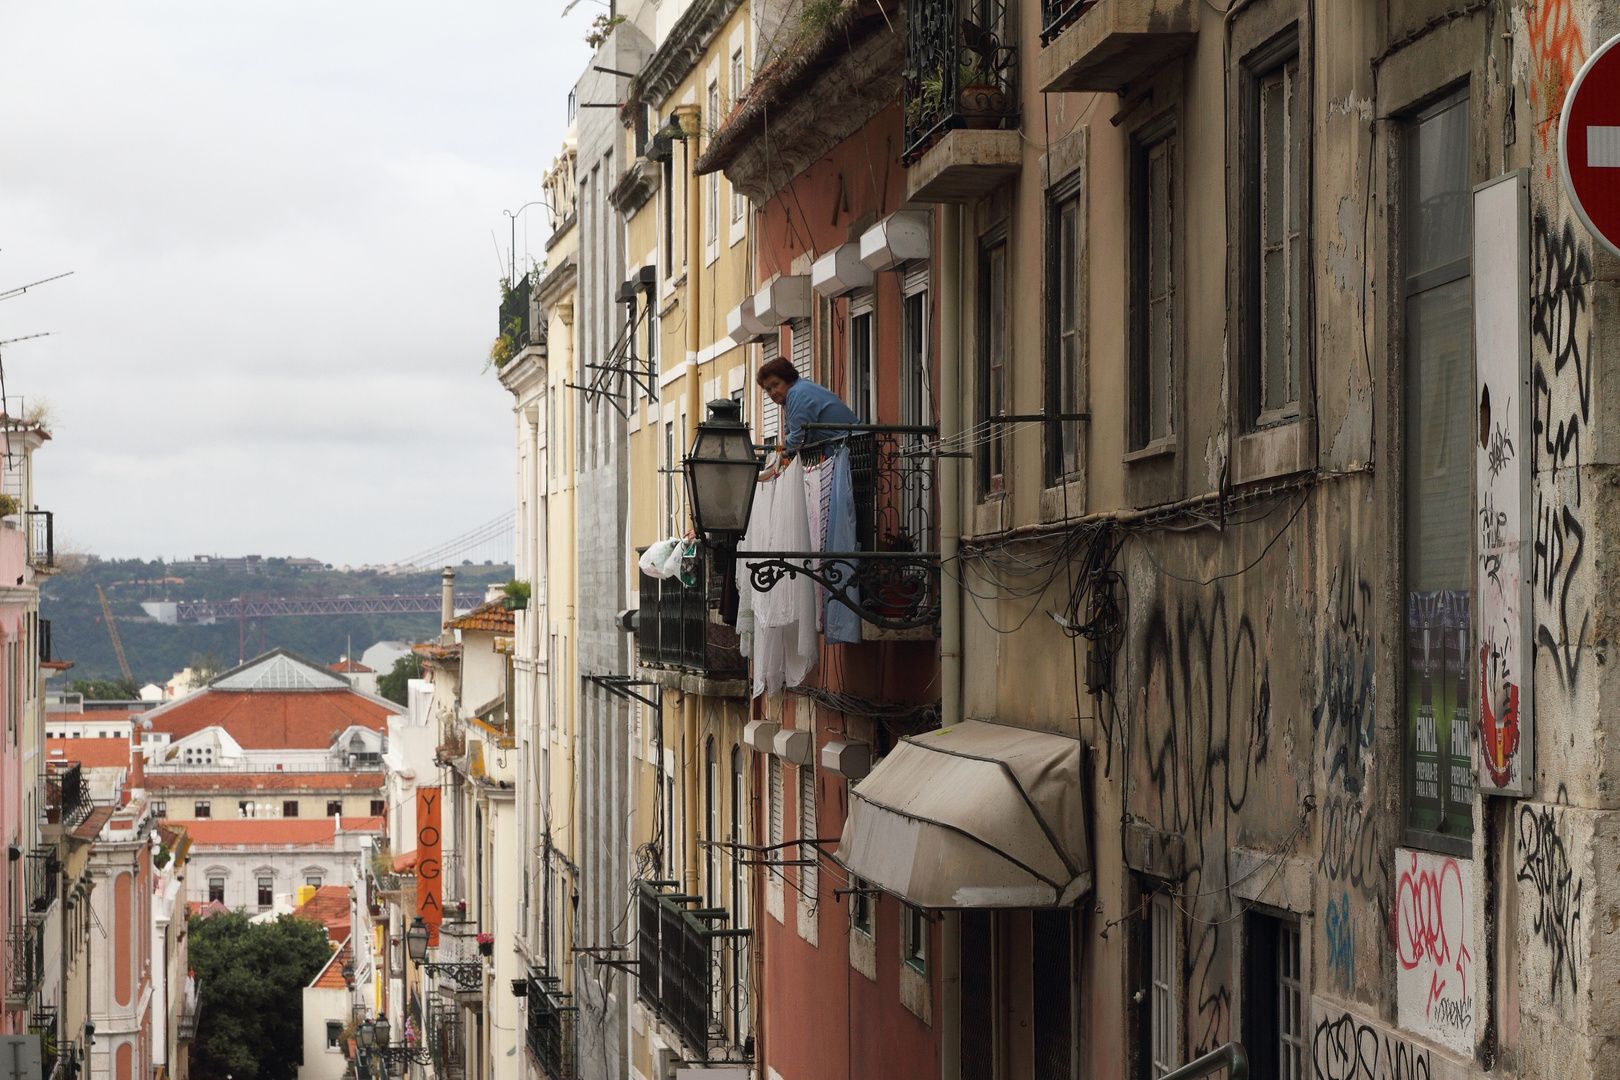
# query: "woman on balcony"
{"type": "Point", "coordinates": [802, 402]}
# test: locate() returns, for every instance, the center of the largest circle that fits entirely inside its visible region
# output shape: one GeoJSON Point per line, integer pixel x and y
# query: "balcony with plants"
{"type": "Point", "coordinates": [960, 74]}
{"type": "Point", "coordinates": [516, 330]}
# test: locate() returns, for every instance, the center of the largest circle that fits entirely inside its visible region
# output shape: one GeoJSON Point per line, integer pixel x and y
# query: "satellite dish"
{"type": "Point", "coordinates": [146, 725]}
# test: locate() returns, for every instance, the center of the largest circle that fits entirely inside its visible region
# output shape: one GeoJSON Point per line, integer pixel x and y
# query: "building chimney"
{"type": "Point", "coordinates": [447, 636]}
{"type": "Point", "coordinates": [137, 764]}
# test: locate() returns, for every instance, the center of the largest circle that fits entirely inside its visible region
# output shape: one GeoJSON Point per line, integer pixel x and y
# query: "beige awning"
{"type": "Point", "coordinates": [977, 815]}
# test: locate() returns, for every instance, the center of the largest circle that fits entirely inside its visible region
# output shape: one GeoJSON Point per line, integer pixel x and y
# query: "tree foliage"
{"type": "Point", "coordinates": [395, 684]}
{"type": "Point", "coordinates": [250, 985]}
{"type": "Point", "coordinates": [107, 689]}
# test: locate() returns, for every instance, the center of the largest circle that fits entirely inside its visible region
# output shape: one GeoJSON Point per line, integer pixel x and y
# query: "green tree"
{"type": "Point", "coordinates": [107, 689]}
{"type": "Point", "coordinates": [396, 683]}
{"type": "Point", "coordinates": [250, 981]}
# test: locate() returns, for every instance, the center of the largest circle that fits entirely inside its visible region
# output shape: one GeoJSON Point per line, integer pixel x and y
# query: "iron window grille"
{"type": "Point", "coordinates": [550, 1027]}
{"type": "Point", "coordinates": [42, 539]}
{"type": "Point", "coordinates": [44, 875]}
{"type": "Point", "coordinates": [679, 967]}
{"type": "Point", "coordinates": [25, 946]}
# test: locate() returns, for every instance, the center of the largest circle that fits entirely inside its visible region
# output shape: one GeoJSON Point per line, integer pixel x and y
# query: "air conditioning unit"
{"type": "Point", "coordinates": [760, 734]}
{"type": "Point", "coordinates": [795, 747]}
{"type": "Point", "coordinates": [851, 760]}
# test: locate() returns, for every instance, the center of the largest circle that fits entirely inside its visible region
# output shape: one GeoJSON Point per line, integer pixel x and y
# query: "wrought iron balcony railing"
{"type": "Point", "coordinates": [959, 70]}
{"type": "Point", "coordinates": [186, 1029]}
{"type": "Point", "coordinates": [678, 962]}
{"type": "Point", "coordinates": [674, 627]}
{"type": "Point", "coordinates": [42, 539]}
{"type": "Point", "coordinates": [43, 1022]}
{"type": "Point", "coordinates": [891, 580]}
{"type": "Point", "coordinates": [67, 794]}
{"type": "Point", "coordinates": [43, 878]}
{"type": "Point", "coordinates": [515, 332]}
{"type": "Point", "coordinates": [25, 954]}
{"type": "Point", "coordinates": [1058, 14]}
{"type": "Point", "coordinates": [550, 1026]}
{"type": "Point", "coordinates": [445, 1040]}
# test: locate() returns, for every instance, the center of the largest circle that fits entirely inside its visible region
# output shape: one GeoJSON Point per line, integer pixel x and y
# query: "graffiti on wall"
{"type": "Point", "coordinates": [1561, 412]}
{"type": "Point", "coordinates": [1556, 54]}
{"type": "Point", "coordinates": [1544, 867]}
{"type": "Point", "coordinates": [1205, 703]}
{"type": "Point", "coordinates": [1345, 1047]}
{"type": "Point", "coordinates": [1434, 929]}
{"type": "Point", "coordinates": [1341, 941]}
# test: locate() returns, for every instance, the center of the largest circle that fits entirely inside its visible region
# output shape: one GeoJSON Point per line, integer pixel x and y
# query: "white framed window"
{"type": "Point", "coordinates": [774, 797]}
{"type": "Point", "coordinates": [862, 387]}
{"type": "Point", "coordinates": [711, 199]}
{"type": "Point", "coordinates": [1162, 993]}
{"type": "Point", "coordinates": [914, 938]}
{"type": "Point", "coordinates": [810, 873]}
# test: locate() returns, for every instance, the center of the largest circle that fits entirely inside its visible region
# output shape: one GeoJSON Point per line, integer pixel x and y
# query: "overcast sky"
{"type": "Point", "coordinates": [279, 219]}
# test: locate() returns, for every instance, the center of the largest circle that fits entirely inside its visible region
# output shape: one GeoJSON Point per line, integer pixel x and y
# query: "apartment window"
{"type": "Point", "coordinates": [202, 809]}
{"type": "Point", "coordinates": [861, 391]}
{"type": "Point", "coordinates": [289, 808]}
{"type": "Point", "coordinates": [774, 839]}
{"type": "Point", "coordinates": [267, 890]}
{"type": "Point", "coordinates": [244, 808]}
{"type": "Point", "coordinates": [810, 873]}
{"type": "Point", "coordinates": [334, 1032]}
{"type": "Point", "coordinates": [379, 807]}
{"type": "Point", "coordinates": [860, 907]}
{"type": "Point", "coordinates": [216, 890]}
{"type": "Point", "coordinates": [334, 807]}
{"type": "Point", "coordinates": [670, 477]}
{"type": "Point", "coordinates": [992, 359]}
{"type": "Point", "coordinates": [313, 881]}
{"type": "Point", "coordinates": [1276, 159]}
{"type": "Point", "coordinates": [1163, 1055]}
{"type": "Point", "coordinates": [914, 937]}
{"type": "Point", "coordinates": [712, 209]}
{"type": "Point", "coordinates": [1153, 283]}
{"type": "Point", "coordinates": [1066, 376]}
{"type": "Point", "coordinates": [1052, 971]}
{"type": "Point", "coordinates": [1438, 471]}
{"type": "Point", "coordinates": [1273, 998]}
{"type": "Point", "coordinates": [162, 808]}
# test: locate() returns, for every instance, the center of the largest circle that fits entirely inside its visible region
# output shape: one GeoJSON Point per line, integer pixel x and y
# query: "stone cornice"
{"type": "Point", "coordinates": [681, 51]}
{"type": "Point", "coordinates": [559, 279]}
{"type": "Point", "coordinates": [635, 187]}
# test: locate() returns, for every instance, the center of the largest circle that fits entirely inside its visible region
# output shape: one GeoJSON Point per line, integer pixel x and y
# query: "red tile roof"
{"type": "Point", "coordinates": [207, 833]}
{"type": "Point", "coordinates": [491, 617]}
{"type": "Point", "coordinates": [365, 824]}
{"type": "Point", "coordinates": [329, 907]}
{"type": "Point", "coordinates": [406, 863]}
{"type": "Point", "coordinates": [348, 666]}
{"type": "Point", "coordinates": [273, 719]}
{"type": "Point", "coordinates": [331, 976]}
{"type": "Point", "coordinates": [265, 781]}
{"type": "Point", "coordinates": [90, 753]}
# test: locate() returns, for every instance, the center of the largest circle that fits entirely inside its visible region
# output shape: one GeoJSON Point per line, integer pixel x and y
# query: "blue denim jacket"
{"type": "Point", "coordinates": [809, 403]}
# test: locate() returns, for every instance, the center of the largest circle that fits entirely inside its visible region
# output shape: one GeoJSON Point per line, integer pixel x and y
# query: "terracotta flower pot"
{"type": "Point", "coordinates": [981, 105]}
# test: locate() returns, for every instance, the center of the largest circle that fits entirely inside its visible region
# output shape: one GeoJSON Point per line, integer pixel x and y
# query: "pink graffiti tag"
{"type": "Point", "coordinates": [1421, 933]}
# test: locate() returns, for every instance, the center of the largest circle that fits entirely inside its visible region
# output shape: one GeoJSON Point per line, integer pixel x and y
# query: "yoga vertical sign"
{"type": "Point", "coordinates": [429, 877]}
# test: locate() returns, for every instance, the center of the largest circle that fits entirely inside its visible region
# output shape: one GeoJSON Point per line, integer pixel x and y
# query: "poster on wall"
{"type": "Point", "coordinates": [429, 866]}
{"type": "Point", "coordinates": [1434, 947]}
{"type": "Point", "coordinates": [1440, 789]}
{"type": "Point", "coordinates": [1502, 482]}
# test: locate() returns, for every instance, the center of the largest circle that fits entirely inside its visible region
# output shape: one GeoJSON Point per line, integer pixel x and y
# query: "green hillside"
{"type": "Point", "coordinates": [156, 651]}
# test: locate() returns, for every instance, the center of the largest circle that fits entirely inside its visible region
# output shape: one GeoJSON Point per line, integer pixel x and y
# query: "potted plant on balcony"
{"type": "Point", "coordinates": [486, 944]}
{"type": "Point", "coordinates": [981, 68]}
{"type": "Point", "coordinates": [517, 595]}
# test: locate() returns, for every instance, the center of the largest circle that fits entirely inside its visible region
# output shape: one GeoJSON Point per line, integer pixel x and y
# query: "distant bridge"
{"type": "Point", "coordinates": [493, 540]}
{"type": "Point", "coordinates": [204, 612]}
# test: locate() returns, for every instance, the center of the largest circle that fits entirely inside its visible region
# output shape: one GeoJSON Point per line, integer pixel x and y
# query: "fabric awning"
{"type": "Point", "coordinates": [977, 815]}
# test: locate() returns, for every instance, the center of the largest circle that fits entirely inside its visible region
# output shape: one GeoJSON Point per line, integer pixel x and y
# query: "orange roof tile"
{"type": "Point", "coordinates": [273, 719]}
{"type": "Point", "coordinates": [365, 824]}
{"type": "Point", "coordinates": [265, 781]}
{"type": "Point", "coordinates": [348, 666]}
{"type": "Point", "coordinates": [491, 617]}
{"type": "Point", "coordinates": [406, 863]}
{"type": "Point", "coordinates": [329, 907]}
{"type": "Point", "coordinates": [331, 976]}
{"type": "Point", "coordinates": [208, 833]}
{"type": "Point", "coordinates": [90, 753]}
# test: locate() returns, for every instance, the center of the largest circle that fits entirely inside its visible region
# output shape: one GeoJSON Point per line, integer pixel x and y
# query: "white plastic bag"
{"type": "Point", "coordinates": [653, 560]}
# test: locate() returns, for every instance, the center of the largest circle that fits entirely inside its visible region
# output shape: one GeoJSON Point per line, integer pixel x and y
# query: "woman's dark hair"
{"type": "Point", "coordinates": [780, 368]}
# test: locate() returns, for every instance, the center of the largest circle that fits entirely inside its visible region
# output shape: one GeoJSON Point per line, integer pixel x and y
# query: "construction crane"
{"type": "Point", "coordinates": [112, 630]}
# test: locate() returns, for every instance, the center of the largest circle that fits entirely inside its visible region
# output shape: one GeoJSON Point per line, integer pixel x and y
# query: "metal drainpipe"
{"type": "Point", "coordinates": [950, 614]}
{"type": "Point", "coordinates": [691, 123]}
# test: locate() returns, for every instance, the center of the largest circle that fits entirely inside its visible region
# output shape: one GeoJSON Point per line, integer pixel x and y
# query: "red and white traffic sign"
{"type": "Point", "coordinates": [1589, 144]}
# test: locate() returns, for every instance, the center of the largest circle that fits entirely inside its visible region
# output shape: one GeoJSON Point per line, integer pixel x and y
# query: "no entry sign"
{"type": "Point", "coordinates": [1589, 144]}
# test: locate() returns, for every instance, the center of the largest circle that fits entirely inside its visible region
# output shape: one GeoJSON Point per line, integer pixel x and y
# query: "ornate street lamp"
{"type": "Point", "coordinates": [416, 940]}
{"type": "Point", "coordinates": [368, 1034]}
{"type": "Point", "coordinates": [721, 471]}
{"type": "Point", "coordinates": [383, 1030]}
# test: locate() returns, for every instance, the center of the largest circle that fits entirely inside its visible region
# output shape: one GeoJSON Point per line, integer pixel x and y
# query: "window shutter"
{"type": "Point", "coordinates": [809, 874]}
{"type": "Point", "coordinates": [801, 347]}
{"type": "Point", "coordinates": [770, 416]}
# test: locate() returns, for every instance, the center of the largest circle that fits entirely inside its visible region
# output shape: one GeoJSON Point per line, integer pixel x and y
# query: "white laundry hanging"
{"type": "Point", "coordinates": [783, 644]}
